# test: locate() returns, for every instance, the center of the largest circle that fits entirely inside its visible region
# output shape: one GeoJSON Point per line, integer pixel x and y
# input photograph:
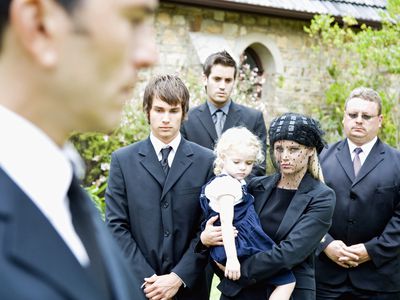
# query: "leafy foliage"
{"type": "Point", "coordinates": [96, 148]}
{"type": "Point", "coordinates": [350, 56]}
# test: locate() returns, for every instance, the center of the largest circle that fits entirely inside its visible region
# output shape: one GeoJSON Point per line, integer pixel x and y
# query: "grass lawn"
{"type": "Point", "coordinates": [214, 291]}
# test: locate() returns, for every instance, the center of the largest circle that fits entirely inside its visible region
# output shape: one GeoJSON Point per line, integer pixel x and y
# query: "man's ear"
{"type": "Point", "coordinates": [33, 27]}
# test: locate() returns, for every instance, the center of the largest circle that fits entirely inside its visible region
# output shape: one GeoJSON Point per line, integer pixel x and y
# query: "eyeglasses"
{"type": "Point", "coordinates": [365, 117]}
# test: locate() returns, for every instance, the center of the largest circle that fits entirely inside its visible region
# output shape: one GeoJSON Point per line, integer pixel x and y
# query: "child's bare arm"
{"type": "Point", "coordinates": [282, 292]}
{"type": "Point", "coordinates": [232, 267]}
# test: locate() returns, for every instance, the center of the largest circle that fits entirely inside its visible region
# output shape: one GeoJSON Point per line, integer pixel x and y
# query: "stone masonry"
{"type": "Point", "coordinates": [293, 84]}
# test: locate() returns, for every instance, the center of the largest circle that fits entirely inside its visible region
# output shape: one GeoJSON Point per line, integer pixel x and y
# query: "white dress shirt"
{"type": "Point", "coordinates": [158, 145]}
{"type": "Point", "coordinates": [39, 167]}
{"type": "Point", "coordinates": [366, 149]}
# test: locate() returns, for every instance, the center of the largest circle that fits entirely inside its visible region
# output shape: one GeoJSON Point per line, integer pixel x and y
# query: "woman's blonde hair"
{"type": "Point", "coordinates": [314, 167]}
{"type": "Point", "coordinates": [237, 139]}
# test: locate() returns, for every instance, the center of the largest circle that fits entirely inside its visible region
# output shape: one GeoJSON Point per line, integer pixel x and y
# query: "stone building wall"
{"type": "Point", "coordinates": [292, 81]}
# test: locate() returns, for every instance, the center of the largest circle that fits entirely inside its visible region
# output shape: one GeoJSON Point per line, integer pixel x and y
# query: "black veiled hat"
{"type": "Point", "coordinates": [299, 128]}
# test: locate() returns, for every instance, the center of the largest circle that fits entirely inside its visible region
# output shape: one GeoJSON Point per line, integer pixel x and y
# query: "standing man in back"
{"type": "Point", "coordinates": [207, 121]}
{"type": "Point", "coordinates": [62, 68]}
{"type": "Point", "coordinates": [359, 258]}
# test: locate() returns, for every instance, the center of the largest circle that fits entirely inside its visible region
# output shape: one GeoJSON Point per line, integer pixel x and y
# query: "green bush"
{"type": "Point", "coordinates": [96, 148]}
{"type": "Point", "coordinates": [350, 56]}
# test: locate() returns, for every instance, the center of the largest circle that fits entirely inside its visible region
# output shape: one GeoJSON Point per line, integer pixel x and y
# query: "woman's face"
{"type": "Point", "coordinates": [292, 158]}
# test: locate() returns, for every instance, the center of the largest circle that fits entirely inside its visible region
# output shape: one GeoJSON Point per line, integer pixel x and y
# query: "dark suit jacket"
{"type": "Point", "coordinates": [155, 222]}
{"type": "Point", "coordinates": [35, 263]}
{"type": "Point", "coordinates": [200, 128]}
{"type": "Point", "coordinates": [305, 222]}
{"type": "Point", "coordinates": [367, 211]}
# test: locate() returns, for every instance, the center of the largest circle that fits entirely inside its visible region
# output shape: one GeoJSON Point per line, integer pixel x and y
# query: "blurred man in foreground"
{"type": "Point", "coordinates": [64, 65]}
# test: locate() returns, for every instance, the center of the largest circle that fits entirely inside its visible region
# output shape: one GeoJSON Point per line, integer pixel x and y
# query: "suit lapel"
{"type": "Point", "coordinates": [182, 161]}
{"type": "Point", "coordinates": [233, 118]}
{"type": "Point", "coordinates": [114, 274]}
{"type": "Point", "coordinates": [261, 193]}
{"type": "Point", "coordinates": [344, 159]}
{"type": "Point", "coordinates": [148, 159]}
{"type": "Point", "coordinates": [296, 207]}
{"type": "Point", "coordinates": [105, 244]}
{"type": "Point", "coordinates": [113, 269]}
{"type": "Point", "coordinates": [86, 210]}
{"type": "Point", "coordinates": [373, 159]}
{"type": "Point", "coordinates": [204, 118]}
{"type": "Point", "coordinates": [33, 243]}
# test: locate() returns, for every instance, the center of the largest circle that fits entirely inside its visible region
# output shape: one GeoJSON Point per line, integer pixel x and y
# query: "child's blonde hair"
{"type": "Point", "coordinates": [237, 139]}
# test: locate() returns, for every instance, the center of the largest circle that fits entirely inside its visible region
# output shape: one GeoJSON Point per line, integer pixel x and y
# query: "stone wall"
{"type": "Point", "coordinates": [292, 82]}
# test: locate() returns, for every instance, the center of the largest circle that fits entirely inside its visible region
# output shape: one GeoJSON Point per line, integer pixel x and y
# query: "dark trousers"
{"type": "Point", "coordinates": [346, 291]}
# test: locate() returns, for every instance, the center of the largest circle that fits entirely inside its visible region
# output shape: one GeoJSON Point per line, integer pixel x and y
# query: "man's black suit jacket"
{"type": "Point", "coordinates": [35, 263]}
{"type": "Point", "coordinates": [156, 219]}
{"type": "Point", "coordinates": [367, 211]}
{"type": "Point", "coordinates": [200, 128]}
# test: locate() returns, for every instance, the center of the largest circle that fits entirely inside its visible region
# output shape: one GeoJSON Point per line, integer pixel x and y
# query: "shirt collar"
{"type": "Point", "coordinates": [158, 145]}
{"type": "Point", "coordinates": [35, 163]}
{"type": "Point", "coordinates": [366, 148]}
{"type": "Point", "coordinates": [224, 108]}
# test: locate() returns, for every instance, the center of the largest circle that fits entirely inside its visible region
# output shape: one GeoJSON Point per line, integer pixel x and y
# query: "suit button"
{"type": "Point", "coordinates": [352, 196]}
{"type": "Point", "coordinates": [166, 233]}
{"type": "Point", "coordinates": [351, 221]}
{"type": "Point", "coordinates": [165, 204]}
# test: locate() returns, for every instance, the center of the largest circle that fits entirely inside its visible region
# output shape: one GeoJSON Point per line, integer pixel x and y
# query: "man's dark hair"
{"type": "Point", "coordinates": [220, 58]}
{"type": "Point", "coordinates": [168, 88]}
{"type": "Point", "coordinates": [69, 5]}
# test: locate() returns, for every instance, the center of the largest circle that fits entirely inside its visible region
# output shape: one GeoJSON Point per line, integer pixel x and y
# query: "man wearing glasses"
{"type": "Point", "coordinates": [359, 258]}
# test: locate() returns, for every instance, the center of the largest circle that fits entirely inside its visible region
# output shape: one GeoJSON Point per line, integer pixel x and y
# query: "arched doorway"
{"type": "Point", "coordinates": [251, 74]}
{"type": "Point", "coordinates": [260, 52]}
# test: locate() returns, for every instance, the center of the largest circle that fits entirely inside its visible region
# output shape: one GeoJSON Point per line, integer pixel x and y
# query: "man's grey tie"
{"type": "Point", "coordinates": [219, 122]}
{"type": "Point", "coordinates": [164, 158]}
{"type": "Point", "coordinates": [357, 161]}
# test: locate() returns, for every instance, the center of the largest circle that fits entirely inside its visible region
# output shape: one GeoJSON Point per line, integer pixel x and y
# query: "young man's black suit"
{"type": "Point", "coordinates": [155, 219]}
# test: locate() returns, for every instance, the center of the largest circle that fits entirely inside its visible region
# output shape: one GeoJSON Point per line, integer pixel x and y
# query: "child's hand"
{"type": "Point", "coordinates": [232, 268]}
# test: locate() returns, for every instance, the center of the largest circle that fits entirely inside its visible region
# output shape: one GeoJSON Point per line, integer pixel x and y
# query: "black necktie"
{"type": "Point", "coordinates": [357, 161]}
{"type": "Point", "coordinates": [164, 158]}
{"type": "Point", "coordinates": [84, 227]}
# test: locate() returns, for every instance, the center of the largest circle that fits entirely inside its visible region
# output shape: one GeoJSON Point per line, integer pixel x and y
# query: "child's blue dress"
{"type": "Point", "coordinates": [251, 238]}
